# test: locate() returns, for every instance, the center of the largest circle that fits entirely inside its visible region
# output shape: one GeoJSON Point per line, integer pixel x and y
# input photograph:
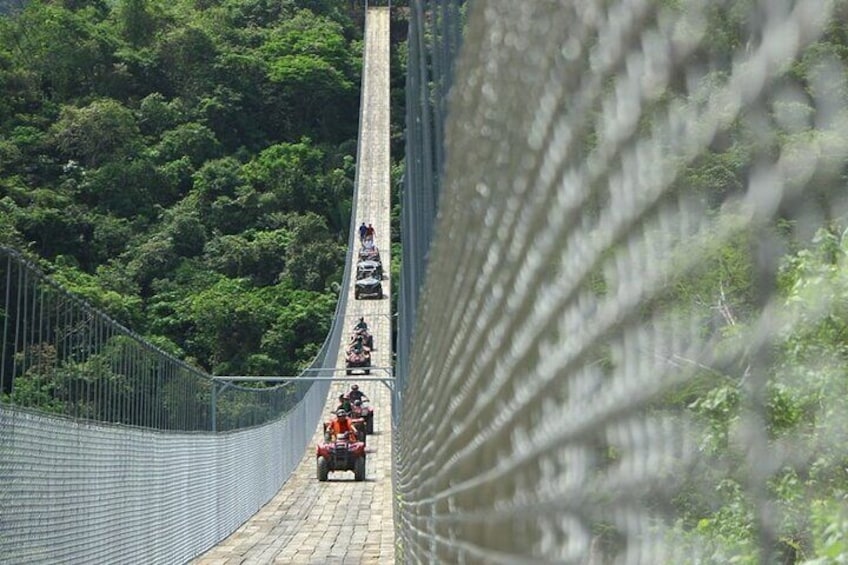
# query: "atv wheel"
{"type": "Point", "coordinates": [359, 469]}
{"type": "Point", "coordinates": [360, 435]}
{"type": "Point", "coordinates": [369, 424]}
{"type": "Point", "coordinates": [323, 468]}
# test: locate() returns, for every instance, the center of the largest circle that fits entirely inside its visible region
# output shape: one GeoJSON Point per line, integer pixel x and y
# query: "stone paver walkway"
{"type": "Point", "coordinates": [342, 521]}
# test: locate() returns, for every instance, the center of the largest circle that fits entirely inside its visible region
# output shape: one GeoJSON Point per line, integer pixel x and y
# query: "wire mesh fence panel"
{"type": "Point", "coordinates": [628, 343]}
{"type": "Point", "coordinates": [61, 355]}
{"type": "Point", "coordinates": [83, 492]}
{"type": "Point", "coordinates": [112, 451]}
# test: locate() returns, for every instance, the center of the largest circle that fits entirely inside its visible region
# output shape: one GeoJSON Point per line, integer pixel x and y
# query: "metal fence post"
{"type": "Point", "coordinates": [214, 424]}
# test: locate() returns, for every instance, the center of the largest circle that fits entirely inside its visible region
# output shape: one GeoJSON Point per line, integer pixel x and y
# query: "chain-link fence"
{"type": "Point", "coordinates": [435, 33]}
{"type": "Point", "coordinates": [629, 344]}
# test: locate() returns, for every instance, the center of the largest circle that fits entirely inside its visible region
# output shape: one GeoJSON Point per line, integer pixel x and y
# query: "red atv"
{"type": "Point", "coordinates": [358, 360]}
{"type": "Point", "coordinates": [367, 337]}
{"type": "Point", "coordinates": [341, 455]}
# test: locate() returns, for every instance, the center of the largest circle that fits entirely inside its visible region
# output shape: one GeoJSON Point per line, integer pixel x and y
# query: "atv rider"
{"type": "Point", "coordinates": [358, 344]}
{"type": "Point", "coordinates": [355, 394]}
{"type": "Point", "coordinates": [344, 404]}
{"type": "Point", "coordinates": [339, 426]}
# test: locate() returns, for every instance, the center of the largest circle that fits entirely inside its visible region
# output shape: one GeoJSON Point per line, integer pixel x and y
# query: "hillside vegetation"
{"type": "Point", "coordinates": [186, 166]}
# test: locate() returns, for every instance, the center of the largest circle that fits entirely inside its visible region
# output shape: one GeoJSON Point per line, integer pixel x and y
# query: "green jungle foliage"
{"type": "Point", "coordinates": [186, 166]}
{"type": "Point", "coordinates": [782, 281]}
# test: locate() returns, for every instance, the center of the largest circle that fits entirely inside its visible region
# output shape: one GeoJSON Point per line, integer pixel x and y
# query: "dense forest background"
{"type": "Point", "coordinates": [188, 166]}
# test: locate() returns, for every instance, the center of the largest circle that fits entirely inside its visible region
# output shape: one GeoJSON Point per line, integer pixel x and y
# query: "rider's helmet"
{"type": "Point", "coordinates": [357, 403]}
{"type": "Point", "coordinates": [354, 387]}
{"type": "Point", "coordinates": [341, 397]}
{"type": "Point", "coordinates": [341, 414]}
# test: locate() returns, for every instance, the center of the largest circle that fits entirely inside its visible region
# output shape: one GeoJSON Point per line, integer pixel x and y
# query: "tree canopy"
{"type": "Point", "coordinates": [186, 166]}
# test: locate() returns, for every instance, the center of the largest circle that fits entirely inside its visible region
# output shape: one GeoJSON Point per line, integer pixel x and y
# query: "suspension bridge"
{"type": "Point", "coordinates": [557, 397]}
{"type": "Point", "coordinates": [343, 521]}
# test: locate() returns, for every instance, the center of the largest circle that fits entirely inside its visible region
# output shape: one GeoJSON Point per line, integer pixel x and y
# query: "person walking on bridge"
{"type": "Point", "coordinates": [363, 231]}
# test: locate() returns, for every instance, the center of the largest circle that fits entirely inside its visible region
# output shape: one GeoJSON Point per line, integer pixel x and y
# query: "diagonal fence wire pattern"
{"type": "Point", "coordinates": [567, 396]}
{"type": "Point", "coordinates": [432, 44]}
